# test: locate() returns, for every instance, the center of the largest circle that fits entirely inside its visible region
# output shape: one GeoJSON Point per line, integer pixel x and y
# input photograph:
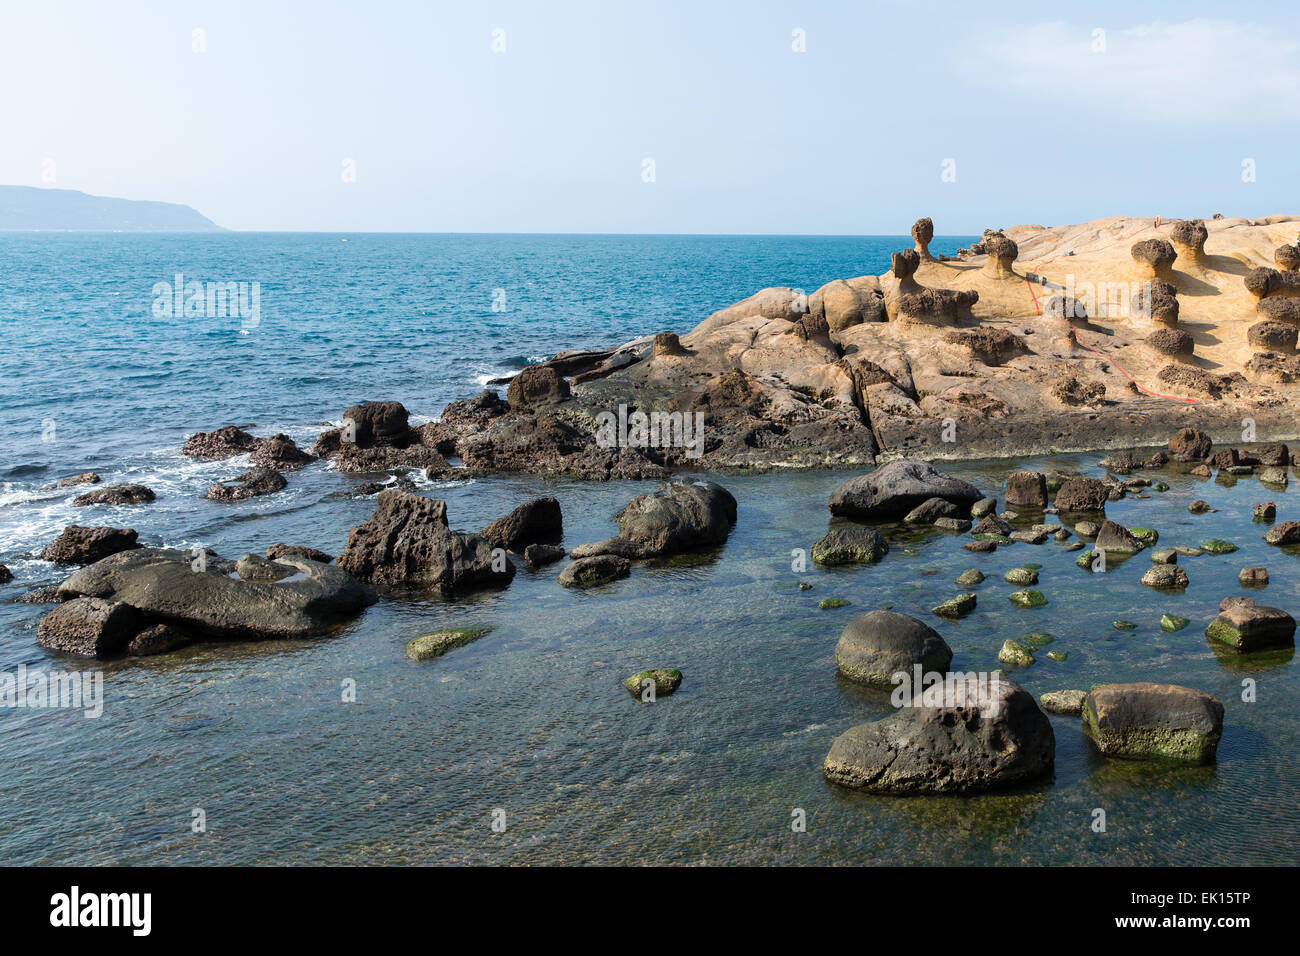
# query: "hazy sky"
{"type": "Point", "coordinates": [746, 134]}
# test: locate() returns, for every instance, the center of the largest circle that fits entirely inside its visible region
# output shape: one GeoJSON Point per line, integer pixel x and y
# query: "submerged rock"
{"type": "Point", "coordinates": [1066, 702]}
{"type": "Point", "coordinates": [878, 644]}
{"type": "Point", "coordinates": [593, 571]}
{"type": "Point", "coordinates": [428, 646]}
{"type": "Point", "coordinates": [1146, 720]}
{"type": "Point", "coordinates": [989, 736]}
{"type": "Point", "coordinates": [970, 578]}
{"type": "Point", "coordinates": [663, 681]}
{"type": "Point", "coordinates": [895, 488]}
{"type": "Point", "coordinates": [1027, 598]}
{"type": "Point", "coordinates": [1217, 546]}
{"type": "Point", "coordinates": [931, 510]}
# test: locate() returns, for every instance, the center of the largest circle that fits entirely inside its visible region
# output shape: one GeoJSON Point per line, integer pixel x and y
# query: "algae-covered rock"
{"type": "Point", "coordinates": [827, 604]}
{"type": "Point", "coordinates": [428, 646]}
{"type": "Point", "coordinates": [1021, 576]}
{"type": "Point", "coordinates": [1038, 639]}
{"type": "Point", "coordinates": [1027, 598]}
{"type": "Point", "coordinates": [649, 685]}
{"type": "Point", "coordinates": [1172, 622]}
{"type": "Point", "coordinates": [1252, 627]}
{"type": "Point", "coordinates": [1058, 656]}
{"type": "Point", "coordinates": [850, 544]}
{"type": "Point", "coordinates": [1218, 546]}
{"type": "Point", "coordinates": [1146, 720]}
{"type": "Point", "coordinates": [970, 578]}
{"type": "Point", "coordinates": [1015, 654]}
{"type": "Point", "coordinates": [959, 606]}
{"type": "Point", "coordinates": [1067, 702]}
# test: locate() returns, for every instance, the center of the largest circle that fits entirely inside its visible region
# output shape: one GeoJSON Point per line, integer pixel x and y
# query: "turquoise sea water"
{"type": "Point", "coordinates": [531, 719]}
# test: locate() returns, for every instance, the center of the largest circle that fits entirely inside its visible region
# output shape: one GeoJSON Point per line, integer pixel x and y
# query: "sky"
{"type": "Point", "coordinates": [705, 116]}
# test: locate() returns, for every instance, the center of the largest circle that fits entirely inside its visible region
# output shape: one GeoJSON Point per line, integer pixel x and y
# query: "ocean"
{"type": "Point", "coordinates": [529, 725]}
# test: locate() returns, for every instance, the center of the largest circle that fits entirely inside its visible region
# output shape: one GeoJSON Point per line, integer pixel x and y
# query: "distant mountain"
{"type": "Point", "coordinates": [27, 209]}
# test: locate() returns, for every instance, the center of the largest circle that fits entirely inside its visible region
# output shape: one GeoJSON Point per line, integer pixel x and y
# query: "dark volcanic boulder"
{"type": "Point", "coordinates": [78, 545]}
{"type": "Point", "coordinates": [380, 423]}
{"type": "Point", "coordinates": [279, 453]}
{"type": "Point", "coordinates": [115, 495]}
{"type": "Point", "coordinates": [536, 522]}
{"type": "Point", "coordinates": [1082, 494]}
{"type": "Point", "coordinates": [217, 445]}
{"type": "Point", "coordinates": [849, 544]}
{"type": "Point", "coordinates": [254, 567]}
{"type": "Point", "coordinates": [678, 516]}
{"type": "Point", "coordinates": [164, 587]}
{"type": "Point", "coordinates": [894, 489]}
{"type": "Point", "coordinates": [599, 569]}
{"type": "Point", "coordinates": [1145, 720]}
{"type": "Point", "coordinates": [985, 736]}
{"type": "Point", "coordinates": [89, 627]}
{"type": "Point", "coordinates": [251, 484]}
{"type": "Point", "coordinates": [1190, 444]}
{"type": "Point", "coordinates": [407, 541]}
{"type": "Point", "coordinates": [5, 574]}
{"type": "Point", "coordinates": [1114, 538]}
{"type": "Point", "coordinates": [878, 644]}
{"type": "Point", "coordinates": [158, 639]}
{"type": "Point", "coordinates": [1251, 627]}
{"type": "Point", "coordinates": [1027, 489]}
{"type": "Point", "coordinates": [534, 386]}
{"type": "Point", "coordinates": [462, 418]}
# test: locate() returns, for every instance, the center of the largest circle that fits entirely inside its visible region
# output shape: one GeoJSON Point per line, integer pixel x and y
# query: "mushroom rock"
{"type": "Point", "coordinates": [1066, 307]}
{"type": "Point", "coordinates": [922, 234]}
{"type": "Point", "coordinates": [1262, 283]}
{"type": "Point", "coordinates": [1170, 342]}
{"type": "Point", "coordinates": [1272, 337]}
{"type": "Point", "coordinates": [1286, 258]}
{"type": "Point", "coordinates": [1155, 258]}
{"type": "Point", "coordinates": [1001, 252]}
{"type": "Point", "coordinates": [904, 265]}
{"type": "Point", "coordinates": [1189, 237]}
{"type": "Point", "coordinates": [1157, 300]}
{"type": "Point", "coordinates": [1282, 309]}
